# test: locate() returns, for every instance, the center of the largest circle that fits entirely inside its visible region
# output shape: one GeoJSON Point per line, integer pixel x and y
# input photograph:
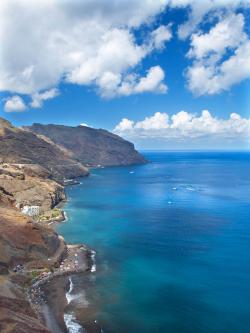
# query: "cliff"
{"type": "Point", "coordinates": [91, 147]}
{"type": "Point", "coordinates": [23, 147]}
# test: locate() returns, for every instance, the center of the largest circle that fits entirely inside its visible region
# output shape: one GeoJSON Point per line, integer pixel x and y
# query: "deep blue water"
{"type": "Point", "coordinates": [172, 240]}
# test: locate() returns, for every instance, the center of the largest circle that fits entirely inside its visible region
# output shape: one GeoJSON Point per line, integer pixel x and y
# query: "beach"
{"type": "Point", "coordinates": [50, 293]}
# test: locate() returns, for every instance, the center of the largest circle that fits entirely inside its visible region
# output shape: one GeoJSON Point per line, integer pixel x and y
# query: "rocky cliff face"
{"type": "Point", "coordinates": [23, 147]}
{"type": "Point", "coordinates": [91, 146]}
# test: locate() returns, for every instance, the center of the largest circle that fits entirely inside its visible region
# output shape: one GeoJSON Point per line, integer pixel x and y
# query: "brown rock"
{"type": "Point", "coordinates": [23, 242]}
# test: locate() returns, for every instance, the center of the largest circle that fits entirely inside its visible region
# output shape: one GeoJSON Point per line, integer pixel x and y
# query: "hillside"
{"type": "Point", "coordinates": [91, 147]}
{"type": "Point", "coordinates": [23, 147]}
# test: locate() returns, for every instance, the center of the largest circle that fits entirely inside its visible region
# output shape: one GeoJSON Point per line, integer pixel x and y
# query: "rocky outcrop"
{"type": "Point", "coordinates": [23, 147]}
{"type": "Point", "coordinates": [91, 147]}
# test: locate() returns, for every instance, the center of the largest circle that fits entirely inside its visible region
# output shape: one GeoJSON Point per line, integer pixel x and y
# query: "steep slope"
{"type": "Point", "coordinates": [91, 146]}
{"type": "Point", "coordinates": [23, 147]}
{"type": "Point", "coordinates": [29, 245]}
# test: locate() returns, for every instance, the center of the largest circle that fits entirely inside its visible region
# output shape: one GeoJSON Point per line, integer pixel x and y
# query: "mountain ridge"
{"type": "Point", "coordinates": [90, 146]}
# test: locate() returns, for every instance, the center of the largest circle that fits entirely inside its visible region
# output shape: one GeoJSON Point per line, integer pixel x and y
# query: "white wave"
{"type": "Point", "coordinates": [79, 298]}
{"type": "Point", "coordinates": [69, 295]}
{"type": "Point", "coordinates": [93, 267]}
{"type": "Point", "coordinates": [189, 188]}
{"type": "Point", "coordinates": [65, 216]}
{"type": "Point", "coordinates": [71, 324]}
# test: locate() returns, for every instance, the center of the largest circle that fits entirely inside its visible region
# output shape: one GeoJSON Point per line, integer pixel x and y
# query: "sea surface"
{"type": "Point", "coordinates": [172, 241]}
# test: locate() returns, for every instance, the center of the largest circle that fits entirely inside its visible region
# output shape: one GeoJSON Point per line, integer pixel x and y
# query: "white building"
{"type": "Point", "coordinates": [31, 210]}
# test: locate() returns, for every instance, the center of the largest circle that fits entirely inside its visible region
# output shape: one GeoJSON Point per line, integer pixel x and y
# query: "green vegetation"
{"type": "Point", "coordinates": [34, 275]}
{"type": "Point", "coordinates": [51, 215]}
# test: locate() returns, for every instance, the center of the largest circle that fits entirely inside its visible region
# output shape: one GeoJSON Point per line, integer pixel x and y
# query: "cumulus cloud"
{"type": "Point", "coordinates": [220, 57]}
{"type": "Point", "coordinates": [114, 53]}
{"type": "Point", "coordinates": [199, 9]}
{"type": "Point", "coordinates": [226, 34]}
{"type": "Point", "coordinates": [99, 47]}
{"type": "Point", "coordinates": [184, 125]}
{"type": "Point", "coordinates": [152, 81]}
{"type": "Point", "coordinates": [14, 104]}
{"type": "Point", "coordinates": [124, 126]}
{"type": "Point", "coordinates": [93, 43]}
{"type": "Point", "coordinates": [111, 85]}
{"type": "Point", "coordinates": [160, 36]}
{"type": "Point", "coordinates": [39, 98]}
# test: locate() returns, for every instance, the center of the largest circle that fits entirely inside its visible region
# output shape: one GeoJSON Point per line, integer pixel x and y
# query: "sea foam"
{"type": "Point", "coordinates": [93, 267]}
{"type": "Point", "coordinates": [71, 324]}
{"type": "Point", "coordinates": [69, 318]}
{"type": "Point", "coordinates": [69, 295]}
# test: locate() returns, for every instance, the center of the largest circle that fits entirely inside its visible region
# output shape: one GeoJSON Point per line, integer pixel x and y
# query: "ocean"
{"type": "Point", "coordinates": [172, 242]}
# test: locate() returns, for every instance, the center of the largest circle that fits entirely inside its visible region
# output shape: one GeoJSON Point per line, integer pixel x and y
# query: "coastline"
{"type": "Point", "coordinates": [35, 168]}
{"type": "Point", "coordinates": [49, 292]}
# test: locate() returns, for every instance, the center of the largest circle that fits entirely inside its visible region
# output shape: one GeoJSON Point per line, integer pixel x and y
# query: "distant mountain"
{"type": "Point", "coordinates": [91, 147]}
{"type": "Point", "coordinates": [24, 147]}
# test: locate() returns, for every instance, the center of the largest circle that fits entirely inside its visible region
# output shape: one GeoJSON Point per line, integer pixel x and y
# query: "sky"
{"type": "Point", "coordinates": [164, 74]}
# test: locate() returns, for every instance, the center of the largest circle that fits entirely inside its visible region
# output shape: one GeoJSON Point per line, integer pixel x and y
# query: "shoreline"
{"type": "Point", "coordinates": [48, 292]}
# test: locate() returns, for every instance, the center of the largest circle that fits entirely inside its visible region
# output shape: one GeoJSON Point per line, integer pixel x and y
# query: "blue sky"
{"type": "Point", "coordinates": [145, 70]}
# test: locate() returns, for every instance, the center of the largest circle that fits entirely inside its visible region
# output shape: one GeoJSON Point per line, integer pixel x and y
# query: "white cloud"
{"type": "Point", "coordinates": [157, 121]}
{"type": "Point", "coordinates": [124, 125]}
{"type": "Point", "coordinates": [152, 82]}
{"type": "Point", "coordinates": [160, 36]}
{"type": "Point", "coordinates": [99, 45]}
{"type": "Point", "coordinates": [214, 68]}
{"type": "Point", "coordinates": [14, 104]}
{"type": "Point", "coordinates": [184, 125]}
{"type": "Point", "coordinates": [84, 125]}
{"type": "Point", "coordinates": [226, 34]}
{"type": "Point", "coordinates": [44, 42]}
{"type": "Point", "coordinates": [115, 53]}
{"type": "Point", "coordinates": [111, 84]}
{"type": "Point", "coordinates": [39, 98]}
{"type": "Point", "coordinates": [199, 9]}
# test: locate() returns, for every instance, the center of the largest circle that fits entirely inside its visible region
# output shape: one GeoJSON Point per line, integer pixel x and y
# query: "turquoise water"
{"type": "Point", "coordinates": [172, 240]}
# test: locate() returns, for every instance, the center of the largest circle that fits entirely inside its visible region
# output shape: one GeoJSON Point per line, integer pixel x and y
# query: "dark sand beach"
{"type": "Point", "coordinates": [50, 294]}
